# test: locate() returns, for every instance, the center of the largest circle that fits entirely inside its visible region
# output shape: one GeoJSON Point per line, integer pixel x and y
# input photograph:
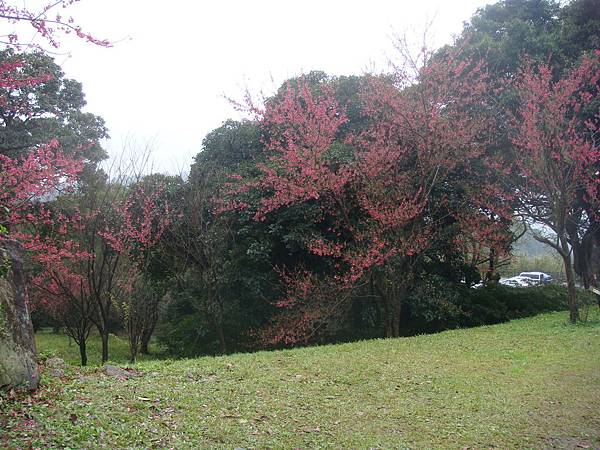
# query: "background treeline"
{"type": "Point", "coordinates": [255, 251]}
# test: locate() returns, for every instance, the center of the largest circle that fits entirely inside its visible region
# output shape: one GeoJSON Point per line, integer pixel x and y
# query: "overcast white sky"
{"type": "Point", "coordinates": [165, 79]}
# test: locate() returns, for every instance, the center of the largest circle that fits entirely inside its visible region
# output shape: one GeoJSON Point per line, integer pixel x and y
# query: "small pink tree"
{"type": "Point", "coordinates": [138, 226]}
{"type": "Point", "coordinates": [60, 287]}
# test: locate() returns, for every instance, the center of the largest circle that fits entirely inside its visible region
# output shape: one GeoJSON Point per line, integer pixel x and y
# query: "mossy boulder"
{"type": "Point", "coordinates": [18, 366]}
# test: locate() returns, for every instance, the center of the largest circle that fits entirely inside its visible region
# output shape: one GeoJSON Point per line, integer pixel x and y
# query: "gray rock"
{"type": "Point", "coordinates": [56, 372]}
{"type": "Point", "coordinates": [119, 372]}
{"type": "Point", "coordinates": [55, 362]}
{"type": "Point", "coordinates": [85, 378]}
{"type": "Point", "coordinates": [18, 366]}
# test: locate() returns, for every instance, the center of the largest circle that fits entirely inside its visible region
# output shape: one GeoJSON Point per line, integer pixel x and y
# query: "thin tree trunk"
{"type": "Point", "coordinates": [134, 339]}
{"type": "Point", "coordinates": [396, 317]}
{"type": "Point", "coordinates": [104, 336]}
{"type": "Point", "coordinates": [133, 349]}
{"type": "Point", "coordinates": [147, 335]}
{"type": "Point", "coordinates": [144, 346]}
{"type": "Point", "coordinates": [572, 295]}
{"type": "Point", "coordinates": [102, 325]}
{"type": "Point", "coordinates": [398, 301]}
{"type": "Point", "coordinates": [569, 272]}
{"type": "Point", "coordinates": [391, 308]}
{"type": "Point", "coordinates": [392, 300]}
{"type": "Point", "coordinates": [214, 318]}
{"type": "Point", "coordinates": [83, 352]}
{"type": "Point", "coordinates": [389, 329]}
{"type": "Point", "coordinates": [221, 335]}
{"type": "Point", "coordinates": [387, 310]}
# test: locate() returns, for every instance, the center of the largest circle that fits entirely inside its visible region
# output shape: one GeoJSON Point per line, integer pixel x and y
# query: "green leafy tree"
{"type": "Point", "coordinates": [35, 114]}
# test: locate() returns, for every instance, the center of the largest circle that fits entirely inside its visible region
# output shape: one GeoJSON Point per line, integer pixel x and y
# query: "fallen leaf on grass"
{"type": "Point", "coordinates": [308, 430]}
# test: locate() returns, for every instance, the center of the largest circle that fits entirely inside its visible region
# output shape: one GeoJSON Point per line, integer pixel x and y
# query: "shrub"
{"type": "Point", "coordinates": [494, 304]}
{"type": "Point", "coordinates": [435, 304]}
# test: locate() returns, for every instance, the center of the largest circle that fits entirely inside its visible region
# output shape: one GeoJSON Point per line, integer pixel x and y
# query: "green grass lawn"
{"type": "Point", "coordinates": [51, 344]}
{"type": "Point", "coordinates": [531, 383]}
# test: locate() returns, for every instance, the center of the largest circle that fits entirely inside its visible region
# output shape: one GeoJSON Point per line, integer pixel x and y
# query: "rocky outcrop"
{"type": "Point", "coordinates": [18, 366]}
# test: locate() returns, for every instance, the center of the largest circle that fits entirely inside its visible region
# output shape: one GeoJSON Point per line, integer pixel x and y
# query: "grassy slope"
{"type": "Point", "coordinates": [531, 383]}
{"type": "Point", "coordinates": [51, 344]}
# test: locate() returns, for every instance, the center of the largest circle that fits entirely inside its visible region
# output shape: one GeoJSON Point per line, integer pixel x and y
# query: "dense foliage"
{"type": "Point", "coordinates": [344, 207]}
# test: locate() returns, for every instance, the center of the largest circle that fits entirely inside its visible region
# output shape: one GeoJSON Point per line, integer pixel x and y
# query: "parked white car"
{"type": "Point", "coordinates": [538, 277]}
{"type": "Point", "coordinates": [518, 281]}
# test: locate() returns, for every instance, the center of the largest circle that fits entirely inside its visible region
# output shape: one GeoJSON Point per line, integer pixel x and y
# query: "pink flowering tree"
{"type": "Point", "coordinates": [48, 21]}
{"type": "Point", "coordinates": [40, 174]}
{"type": "Point", "coordinates": [383, 204]}
{"type": "Point", "coordinates": [558, 157]}
{"type": "Point", "coordinates": [59, 285]}
{"type": "Point", "coordinates": [43, 172]}
{"type": "Point", "coordinates": [89, 263]}
{"type": "Point", "coordinates": [134, 233]}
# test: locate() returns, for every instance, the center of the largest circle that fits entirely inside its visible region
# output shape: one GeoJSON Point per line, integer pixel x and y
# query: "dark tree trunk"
{"type": "Point", "coordinates": [147, 333]}
{"type": "Point", "coordinates": [396, 317]}
{"type": "Point", "coordinates": [392, 297]}
{"type": "Point", "coordinates": [397, 295]}
{"type": "Point", "coordinates": [388, 328]}
{"type": "Point", "coordinates": [214, 318]}
{"type": "Point", "coordinates": [221, 336]}
{"type": "Point", "coordinates": [393, 314]}
{"type": "Point", "coordinates": [595, 259]}
{"type": "Point", "coordinates": [102, 325]}
{"type": "Point", "coordinates": [357, 313]}
{"type": "Point", "coordinates": [133, 349]}
{"type": "Point", "coordinates": [134, 339]}
{"type": "Point", "coordinates": [144, 345]}
{"type": "Point", "coordinates": [572, 296]}
{"type": "Point", "coordinates": [104, 336]}
{"type": "Point", "coordinates": [83, 352]}
{"type": "Point", "coordinates": [570, 274]}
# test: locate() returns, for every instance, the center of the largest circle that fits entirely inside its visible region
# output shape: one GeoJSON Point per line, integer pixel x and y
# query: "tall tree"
{"type": "Point", "coordinates": [558, 155]}
{"type": "Point", "coordinates": [371, 194]}
{"type": "Point", "coordinates": [202, 242]}
{"type": "Point", "coordinates": [35, 113]}
{"type": "Point", "coordinates": [32, 165]}
{"type": "Point", "coordinates": [543, 31]}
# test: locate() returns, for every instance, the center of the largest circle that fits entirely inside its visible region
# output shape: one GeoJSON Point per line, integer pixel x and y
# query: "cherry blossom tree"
{"type": "Point", "coordinates": [558, 156]}
{"type": "Point", "coordinates": [59, 286]}
{"type": "Point", "coordinates": [138, 226]}
{"type": "Point", "coordinates": [389, 198]}
{"type": "Point", "coordinates": [48, 21]}
{"type": "Point", "coordinates": [29, 182]}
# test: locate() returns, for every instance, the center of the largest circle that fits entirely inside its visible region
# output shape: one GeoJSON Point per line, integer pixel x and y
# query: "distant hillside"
{"type": "Point", "coordinates": [528, 246]}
